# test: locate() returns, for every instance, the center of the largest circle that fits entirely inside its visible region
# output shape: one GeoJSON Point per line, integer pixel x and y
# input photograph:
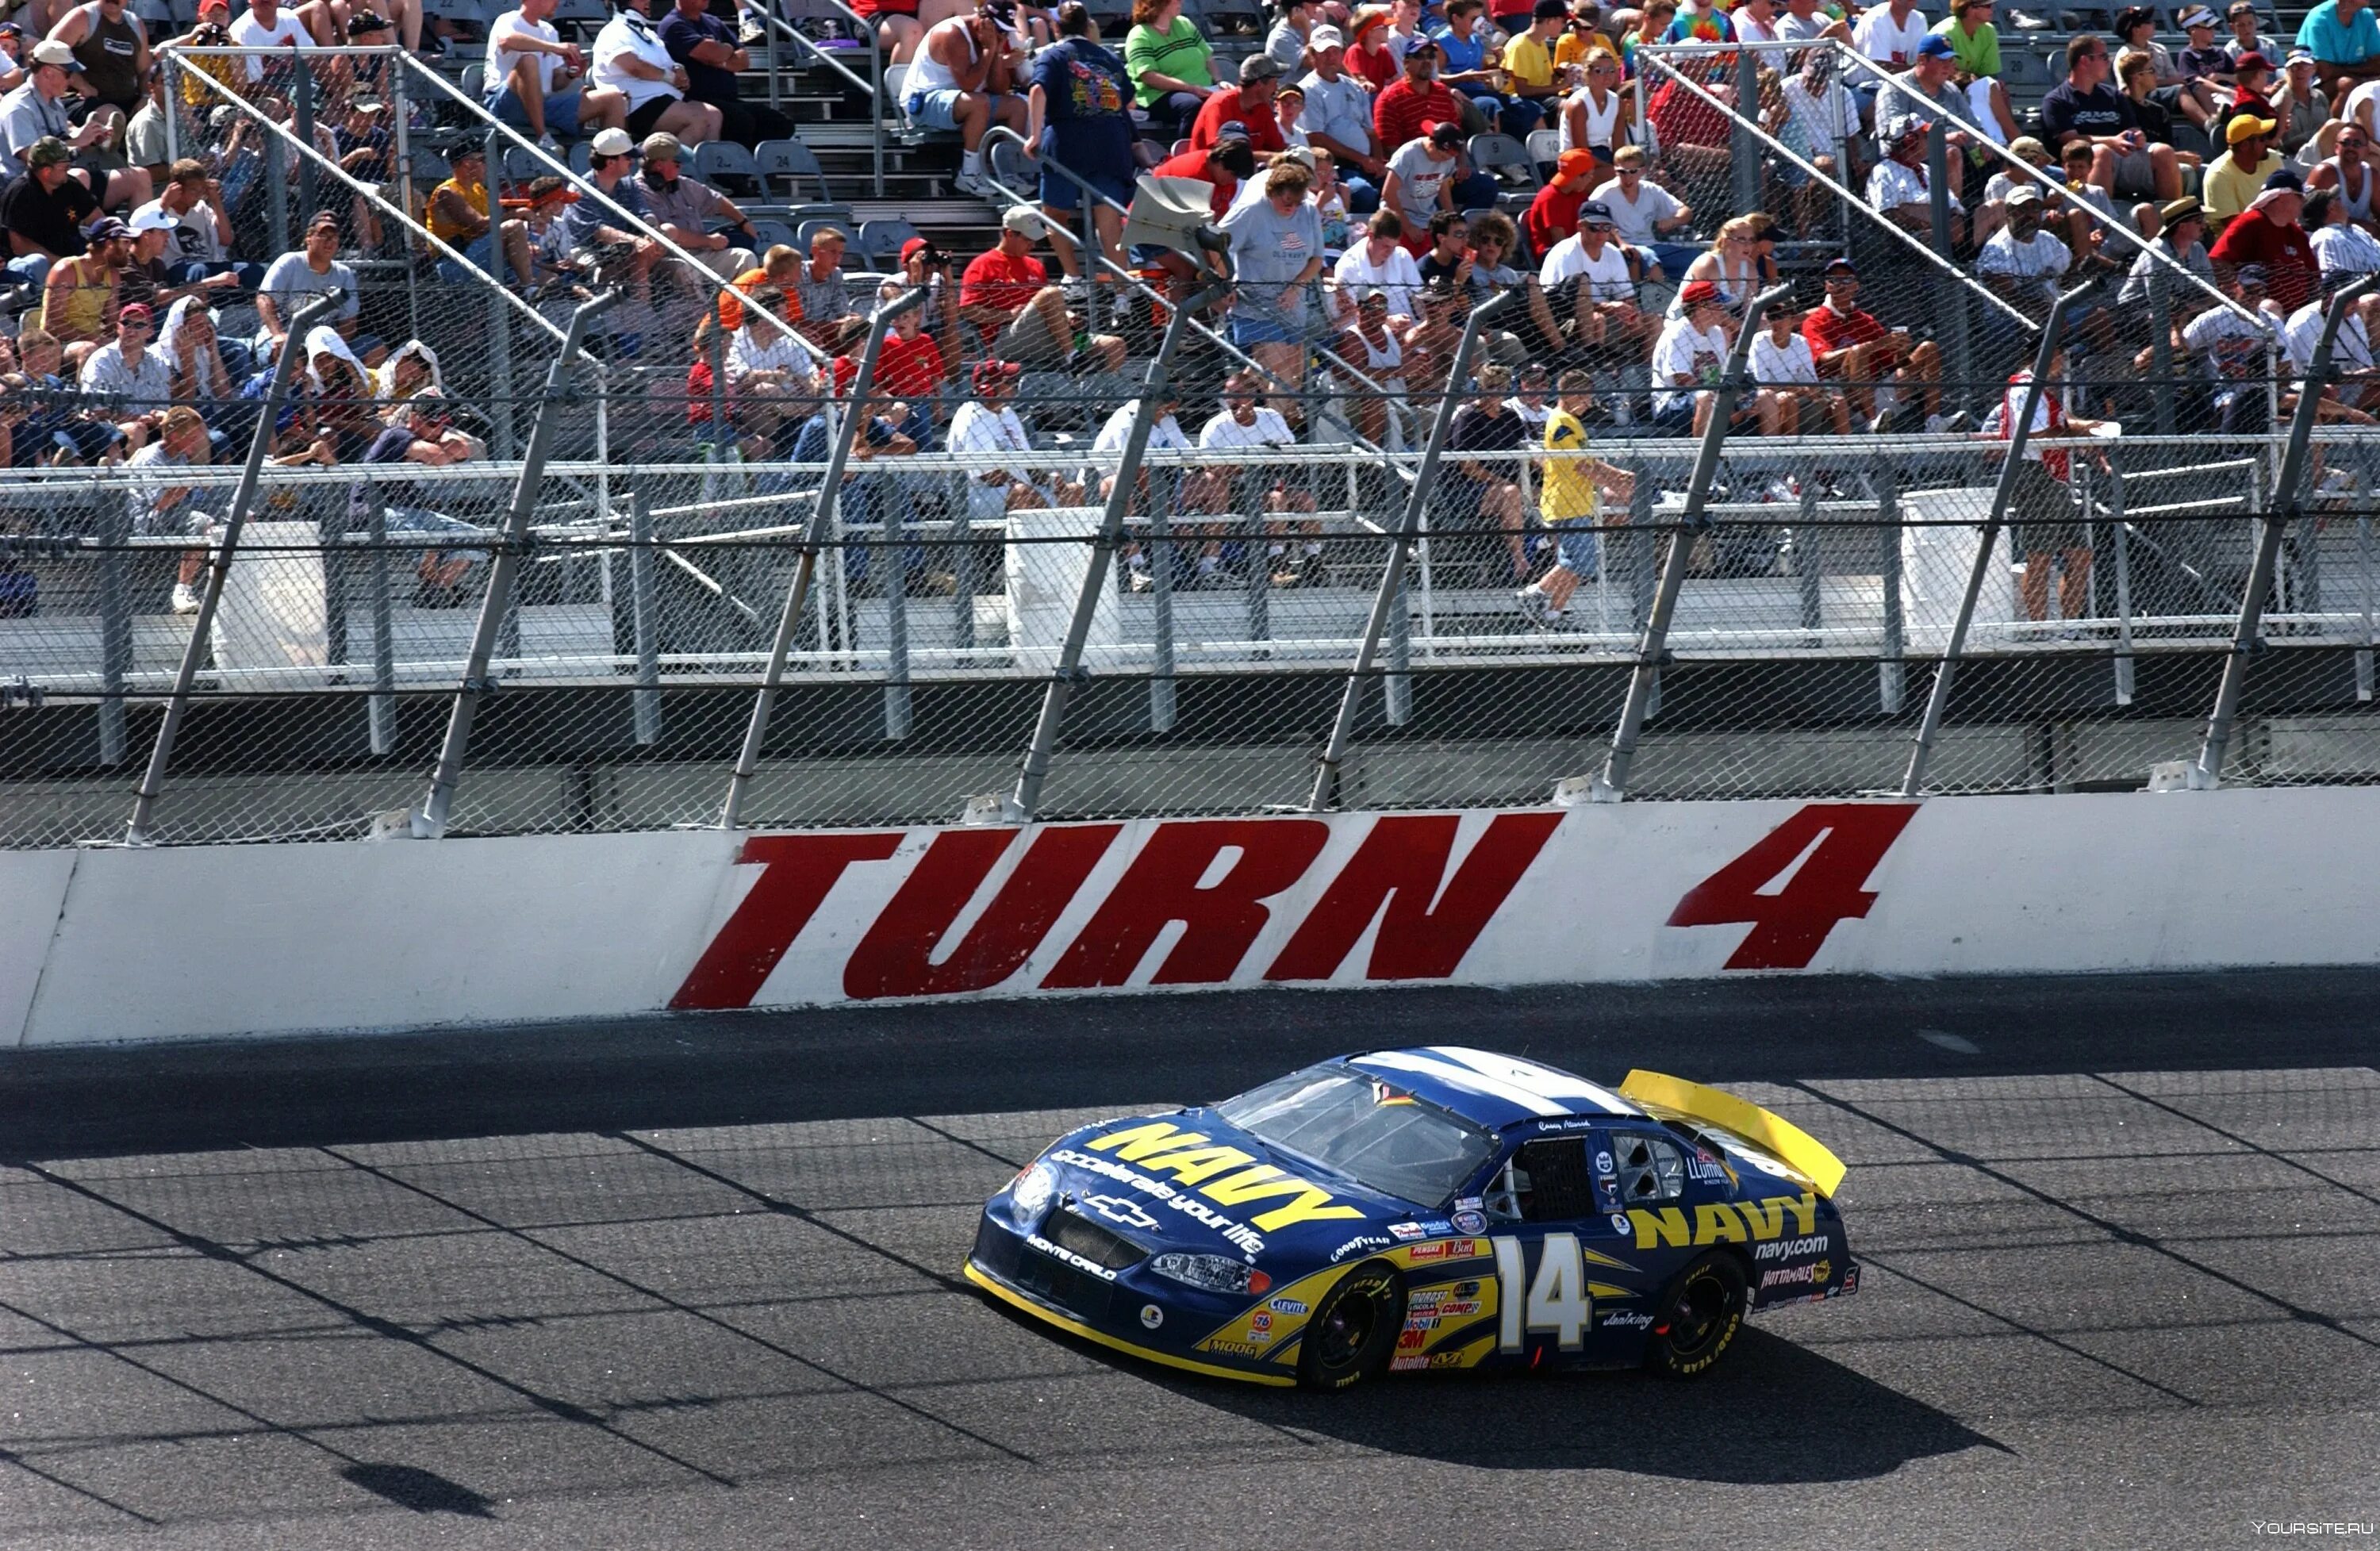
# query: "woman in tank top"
{"type": "Point", "coordinates": [1599, 116]}
{"type": "Point", "coordinates": [113, 48]}
{"type": "Point", "coordinates": [1371, 346]}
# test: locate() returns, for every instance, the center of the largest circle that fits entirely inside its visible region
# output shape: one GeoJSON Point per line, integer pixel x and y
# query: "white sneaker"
{"type": "Point", "coordinates": [973, 183]}
{"type": "Point", "coordinates": [186, 600]}
{"type": "Point", "coordinates": [1534, 606]}
{"type": "Point", "coordinates": [548, 144]}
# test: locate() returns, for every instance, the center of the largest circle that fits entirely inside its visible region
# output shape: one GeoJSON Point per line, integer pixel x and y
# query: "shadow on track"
{"type": "Point", "coordinates": [750, 1068]}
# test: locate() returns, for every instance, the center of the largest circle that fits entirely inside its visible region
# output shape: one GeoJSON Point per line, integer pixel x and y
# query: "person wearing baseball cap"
{"type": "Point", "coordinates": [1553, 213]}
{"type": "Point", "coordinates": [1901, 187]}
{"type": "Point", "coordinates": [1248, 104]}
{"type": "Point", "coordinates": [1926, 94]}
{"type": "Point", "coordinates": [38, 109]}
{"type": "Point", "coordinates": [312, 269]}
{"type": "Point", "coordinates": [134, 375]}
{"type": "Point", "coordinates": [43, 209]}
{"type": "Point", "coordinates": [1422, 178]}
{"type": "Point", "coordinates": [1687, 361]}
{"type": "Point", "coordinates": [1006, 293]}
{"type": "Point", "coordinates": [2267, 235]}
{"type": "Point", "coordinates": [2233, 179]}
{"type": "Point", "coordinates": [1586, 277]}
{"type": "Point", "coordinates": [1338, 118]}
{"type": "Point", "coordinates": [986, 428]}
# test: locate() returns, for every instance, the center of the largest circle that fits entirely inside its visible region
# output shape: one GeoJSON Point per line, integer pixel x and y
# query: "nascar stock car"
{"type": "Point", "coordinates": [1422, 1209]}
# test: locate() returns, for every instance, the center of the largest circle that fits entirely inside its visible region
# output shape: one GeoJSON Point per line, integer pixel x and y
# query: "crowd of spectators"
{"type": "Point", "coordinates": [1342, 152]}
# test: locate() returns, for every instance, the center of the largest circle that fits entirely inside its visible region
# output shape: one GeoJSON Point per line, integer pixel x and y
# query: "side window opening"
{"type": "Point", "coordinates": [1547, 1180]}
{"type": "Point", "coordinates": [1651, 1169]}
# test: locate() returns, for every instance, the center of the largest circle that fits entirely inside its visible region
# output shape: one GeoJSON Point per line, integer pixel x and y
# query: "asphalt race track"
{"type": "Point", "coordinates": [691, 1283]}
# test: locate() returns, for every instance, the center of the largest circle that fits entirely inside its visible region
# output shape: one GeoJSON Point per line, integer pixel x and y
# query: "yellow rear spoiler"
{"type": "Point", "coordinates": [1795, 1147]}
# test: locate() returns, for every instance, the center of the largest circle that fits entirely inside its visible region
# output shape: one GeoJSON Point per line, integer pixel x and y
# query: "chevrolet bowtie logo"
{"type": "Point", "coordinates": [1116, 1210]}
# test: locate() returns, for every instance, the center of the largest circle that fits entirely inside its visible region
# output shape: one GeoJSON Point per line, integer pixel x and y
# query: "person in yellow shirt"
{"type": "Point", "coordinates": [1570, 500]}
{"type": "Point", "coordinates": [2233, 180]}
{"type": "Point", "coordinates": [1529, 93]}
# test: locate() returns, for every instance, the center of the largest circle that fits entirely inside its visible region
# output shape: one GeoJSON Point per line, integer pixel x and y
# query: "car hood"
{"type": "Point", "coordinates": [1189, 1179]}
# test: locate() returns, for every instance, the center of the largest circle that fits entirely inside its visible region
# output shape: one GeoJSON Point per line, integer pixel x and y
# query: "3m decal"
{"type": "Point", "coordinates": [1431, 919]}
{"type": "Point", "coordinates": [1823, 857]}
{"type": "Point", "coordinates": [1162, 886]}
{"type": "Point", "coordinates": [1162, 1147]}
{"type": "Point", "coordinates": [897, 957]}
{"type": "Point", "coordinates": [796, 871]}
{"type": "Point", "coordinates": [1724, 1223]}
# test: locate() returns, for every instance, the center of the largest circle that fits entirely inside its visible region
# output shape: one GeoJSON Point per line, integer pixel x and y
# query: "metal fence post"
{"type": "Point", "coordinates": [2161, 348]}
{"type": "Point", "coordinates": [1745, 157]}
{"type": "Point", "coordinates": [2247, 638]}
{"type": "Point", "coordinates": [1809, 565]}
{"type": "Point", "coordinates": [1388, 597]}
{"type": "Point", "coordinates": [1891, 671]}
{"type": "Point", "coordinates": [1938, 698]}
{"type": "Point", "coordinates": [136, 832]}
{"type": "Point", "coordinates": [379, 708]}
{"type": "Point", "coordinates": [302, 117]}
{"type": "Point", "coordinates": [112, 524]}
{"type": "Point", "coordinates": [895, 588]}
{"type": "Point", "coordinates": [1957, 363]}
{"type": "Point", "coordinates": [1022, 806]}
{"type": "Point", "coordinates": [431, 822]}
{"type": "Point", "coordinates": [644, 611]}
{"type": "Point", "coordinates": [822, 516]}
{"type": "Point", "coordinates": [500, 325]}
{"type": "Point", "coordinates": [1612, 786]}
{"type": "Point", "coordinates": [2363, 576]}
{"type": "Point", "coordinates": [2120, 539]}
{"type": "Point", "coordinates": [1160, 607]}
{"type": "Point", "coordinates": [1641, 545]}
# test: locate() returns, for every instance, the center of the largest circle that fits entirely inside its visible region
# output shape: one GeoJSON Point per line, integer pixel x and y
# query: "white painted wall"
{"type": "Point", "coordinates": [98, 946]}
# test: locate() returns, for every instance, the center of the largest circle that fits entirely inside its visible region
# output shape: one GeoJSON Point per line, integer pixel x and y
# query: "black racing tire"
{"type": "Point", "coordinates": [1698, 1317]}
{"type": "Point", "coordinates": [1353, 1329]}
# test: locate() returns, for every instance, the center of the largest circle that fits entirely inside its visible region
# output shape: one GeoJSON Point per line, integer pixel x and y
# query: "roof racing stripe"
{"type": "Point", "coordinates": [1544, 1081]}
{"type": "Point", "coordinates": [1464, 1077]}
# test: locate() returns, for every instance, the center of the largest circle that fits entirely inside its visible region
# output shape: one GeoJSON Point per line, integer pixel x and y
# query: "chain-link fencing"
{"type": "Point", "coordinates": [1820, 588]}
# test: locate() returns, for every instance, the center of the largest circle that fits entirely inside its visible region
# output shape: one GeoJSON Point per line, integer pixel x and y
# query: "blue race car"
{"type": "Point", "coordinates": [1422, 1209]}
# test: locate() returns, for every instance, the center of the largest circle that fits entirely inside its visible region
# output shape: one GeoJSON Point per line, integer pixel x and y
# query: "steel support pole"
{"type": "Point", "coordinates": [429, 823]}
{"type": "Point", "coordinates": [136, 832]}
{"type": "Point", "coordinates": [1160, 605]}
{"type": "Point", "coordinates": [1026, 799]}
{"type": "Point", "coordinates": [112, 523]}
{"type": "Point", "coordinates": [755, 732]}
{"type": "Point", "coordinates": [1957, 357]}
{"type": "Point", "coordinates": [1891, 673]}
{"type": "Point", "coordinates": [2120, 539]}
{"type": "Point", "coordinates": [1388, 597]}
{"type": "Point", "coordinates": [894, 560]}
{"type": "Point", "coordinates": [1612, 784]}
{"type": "Point", "coordinates": [644, 612]}
{"type": "Point", "coordinates": [1938, 698]}
{"type": "Point", "coordinates": [379, 708]}
{"type": "Point", "coordinates": [301, 121]}
{"type": "Point", "coordinates": [2248, 638]}
{"type": "Point", "coordinates": [2161, 348]}
{"type": "Point", "coordinates": [500, 326]}
{"type": "Point", "coordinates": [1746, 159]}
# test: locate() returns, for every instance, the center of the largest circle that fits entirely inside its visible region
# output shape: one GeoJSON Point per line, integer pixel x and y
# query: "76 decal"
{"type": "Point", "coordinates": [1797, 882]}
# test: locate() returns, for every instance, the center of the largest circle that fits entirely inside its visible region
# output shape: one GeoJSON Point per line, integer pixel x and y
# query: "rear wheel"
{"type": "Point", "coordinates": [1698, 1316]}
{"type": "Point", "coordinates": [1353, 1329]}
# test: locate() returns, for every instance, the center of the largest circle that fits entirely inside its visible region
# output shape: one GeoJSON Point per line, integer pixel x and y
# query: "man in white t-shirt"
{"type": "Point", "coordinates": [1782, 363]}
{"type": "Point", "coordinates": [1687, 361]}
{"type": "Point", "coordinates": [2020, 262]}
{"type": "Point", "coordinates": [1165, 435]}
{"type": "Point", "coordinates": [631, 59]}
{"type": "Point", "coordinates": [266, 25]}
{"type": "Point", "coordinates": [1245, 426]}
{"type": "Point", "coordinates": [530, 70]}
{"type": "Point", "coordinates": [1585, 278]}
{"type": "Point", "coordinates": [1899, 188]}
{"type": "Point", "coordinates": [1379, 261]}
{"type": "Point", "coordinates": [1889, 35]}
{"type": "Point", "coordinates": [1643, 215]}
{"type": "Point", "coordinates": [2354, 380]}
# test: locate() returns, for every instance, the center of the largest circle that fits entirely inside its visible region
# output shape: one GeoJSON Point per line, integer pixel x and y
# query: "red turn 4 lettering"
{"type": "Point", "coordinates": [1838, 845]}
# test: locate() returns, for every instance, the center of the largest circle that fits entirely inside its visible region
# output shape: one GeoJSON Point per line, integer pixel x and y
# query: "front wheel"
{"type": "Point", "coordinates": [1353, 1329]}
{"type": "Point", "coordinates": [1698, 1316]}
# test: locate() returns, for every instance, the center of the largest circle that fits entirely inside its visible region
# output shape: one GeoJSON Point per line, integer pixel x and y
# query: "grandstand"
{"type": "Point", "coordinates": [686, 439]}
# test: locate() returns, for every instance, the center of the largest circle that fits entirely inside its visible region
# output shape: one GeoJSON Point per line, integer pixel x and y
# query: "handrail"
{"type": "Point", "coordinates": [1906, 237]}
{"type": "Point", "coordinates": [873, 87]}
{"type": "Point", "coordinates": [991, 177]}
{"type": "Point", "coordinates": [586, 185]}
{"type": "Point", "coordinates": [2117, 228]}
{"type": "Point", "coordinates": [363, 190]}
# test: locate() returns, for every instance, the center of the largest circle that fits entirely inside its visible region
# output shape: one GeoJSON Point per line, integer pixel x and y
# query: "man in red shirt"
{"type": "Point", "coordinates": [1248, 104]}
{"type": "Point", "coordinates": [2267, 233]}
{"type": "Point", "coordinates": [1852, 345]}
{"type": "Point", "coordinates": [1554, 214]}
{"type": "Point", "coordinates": [1224, 164]}
{"type": "Point", "coordinates": [1006, 294]}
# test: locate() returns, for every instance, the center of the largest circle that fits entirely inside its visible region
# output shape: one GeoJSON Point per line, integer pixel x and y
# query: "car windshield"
{"type": "Point", "coordinates": [1370, 1131]}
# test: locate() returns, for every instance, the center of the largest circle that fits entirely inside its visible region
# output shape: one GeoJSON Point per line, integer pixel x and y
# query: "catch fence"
{"type": "Point", "coordinates": [1820, 588]}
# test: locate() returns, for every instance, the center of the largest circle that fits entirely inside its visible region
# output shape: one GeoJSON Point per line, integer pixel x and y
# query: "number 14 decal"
{"type": "Point", "coordinates": [1555, 1302]}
